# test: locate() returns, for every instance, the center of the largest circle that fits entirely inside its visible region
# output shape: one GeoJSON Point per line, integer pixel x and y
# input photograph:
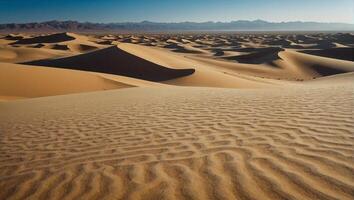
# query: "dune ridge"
{"type": "Point", "coordinates": [113, 60]}
{"type": "Point", "coordinates": [52, 38]}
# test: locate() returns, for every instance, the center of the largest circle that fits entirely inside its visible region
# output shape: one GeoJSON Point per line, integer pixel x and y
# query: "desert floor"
{"type": "Point", "coordinates": [177, 116]}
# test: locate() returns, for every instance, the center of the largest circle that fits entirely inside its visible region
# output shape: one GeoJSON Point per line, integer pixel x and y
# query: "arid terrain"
{"type": "Point", "coordinates": [177, 116]}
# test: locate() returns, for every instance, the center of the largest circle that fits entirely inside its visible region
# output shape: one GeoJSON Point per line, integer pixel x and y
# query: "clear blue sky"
{"type": "Point", "coordinates": [176, 10]}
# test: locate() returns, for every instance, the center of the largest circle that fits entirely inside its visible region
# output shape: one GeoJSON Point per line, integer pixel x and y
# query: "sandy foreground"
{"type": "Point", "coordinates": [196, 116]}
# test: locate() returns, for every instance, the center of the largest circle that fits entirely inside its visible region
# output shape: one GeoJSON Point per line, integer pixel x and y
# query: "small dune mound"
{"type": "Point", "coordinates": [186, 50]}
{"type": "Point", "coordinates": [317, 66]}
{"type": "Point", "coordinates": [172, 46]}
{"type": "Point", "coordinates": [39, 45]}
{"type": "Point", "coordinates": [344, 38]}
{"type": "Point", "coordinates": [105, 42]}
{"type": "Point", "coordinates": [218, 52]}
{"type": "Point", "coordinates": [53, 38]}
{"type": "Point", "coordinates": [304, 39]}
{"type": "Point", "coordinates": [108, 37]}
{"type": "Point", "coordinates": [281, 42]}
{"type": "Point", "coordinates": [13, 37]}
{"type": "Point", "coordinates": [337, 53]}
{"type": "Point", "coordinates": [59, 47]}
{"type": "Point", "coordinates": [176, 47]}
{"type": "Point", "coordinates": [324, 44]}
{"type": "Point", "coordinates": [262, 55]}
{"type": "Point", "coordinates": [114, 60]}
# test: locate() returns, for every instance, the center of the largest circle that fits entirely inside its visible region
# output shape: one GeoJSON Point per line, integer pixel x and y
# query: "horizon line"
{"type": "Point", "coordinates": [58, 20]}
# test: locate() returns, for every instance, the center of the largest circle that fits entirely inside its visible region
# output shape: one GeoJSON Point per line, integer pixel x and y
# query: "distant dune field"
{"type": "Point", "coordinates": [177, 116]}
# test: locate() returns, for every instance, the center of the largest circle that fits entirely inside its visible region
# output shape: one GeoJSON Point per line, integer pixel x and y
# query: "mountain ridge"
{"type": "Point", "coordinates": [239, 25]}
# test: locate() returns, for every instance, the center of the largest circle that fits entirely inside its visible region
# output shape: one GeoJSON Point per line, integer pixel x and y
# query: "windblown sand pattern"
{"type": "Point", "coordinates": [188, 143]}
{"type": "Point", "coordinates": [186, 116]}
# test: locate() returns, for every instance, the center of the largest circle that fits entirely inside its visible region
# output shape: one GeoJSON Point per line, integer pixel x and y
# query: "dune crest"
{"type": "Point", "coordinates": [114, 60]}
{"type": "Point", "coordinates": [53, 38]}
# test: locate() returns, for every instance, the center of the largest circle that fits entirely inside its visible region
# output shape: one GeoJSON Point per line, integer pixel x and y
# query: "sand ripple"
{"type": "Point", "coordinates": [185, 143]}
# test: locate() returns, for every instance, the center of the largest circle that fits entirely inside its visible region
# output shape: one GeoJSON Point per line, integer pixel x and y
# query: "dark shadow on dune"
{"type": "Point", "coordinates": [106, 42]}
{"type": "Point", "coordinates": [337, 53]}
{"type": "Point", "coordinates": [327, 71]}
{"type": "Point", "coordinates": [84, 48]}
{"type": "Point", "coordinates": [293, 46]}
{"type": "Point", "coordinates": [60, 47]}
{"type": "Point", "coordinates": [12, 37]}
{"type": "Point", "coordinates": [39, 45]}
{"type": "Point", "coordinates": [218, 52]}
{"type": "Point", "coordinates": [54, 38]}
{"type": "Point", "coordinates": [280, 42]}
{"type": "Point", "coordinates": [114, 60]}
{"type": "Point", "coordinates": [264, 55]}
{"type": "Point", "coordinates": [324, 44]}
{"type": "Point", "coordinates": [344, 38]}
{"type": "Point", "coordinates": [248, 49]}
{"type": "Point", "coordinates": [172, 46]}
{"type": "Point", "coordinates": [179, 49]}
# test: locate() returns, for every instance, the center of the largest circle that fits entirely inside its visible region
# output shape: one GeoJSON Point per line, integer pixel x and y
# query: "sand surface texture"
{"type": "Point", "coordinates": [220, 116]}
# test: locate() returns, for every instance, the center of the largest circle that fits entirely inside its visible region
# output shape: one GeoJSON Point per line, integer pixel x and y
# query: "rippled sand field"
{"type": "Point", "coordinates": [180, 143]}
{"type": "Point", "coordinates": [177, 121]}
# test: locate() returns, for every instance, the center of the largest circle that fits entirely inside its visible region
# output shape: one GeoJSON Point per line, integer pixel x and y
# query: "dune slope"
{"type": "Point", "coordinates": [23, 81]}
{"type": "Point", "coordinates": [114, 60]}
{"type": "Point", "coordinates": [207, 74]}
{"type": "Point", "coordinates": [316, 66]}
{"type": "Point", "coordinates": [337, 53]}
{"type": "Point", "coordinates": [27, 54]}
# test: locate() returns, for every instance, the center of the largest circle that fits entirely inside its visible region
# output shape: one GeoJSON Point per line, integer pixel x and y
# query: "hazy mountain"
{"type": "Point", "coordinates": [240, 25]}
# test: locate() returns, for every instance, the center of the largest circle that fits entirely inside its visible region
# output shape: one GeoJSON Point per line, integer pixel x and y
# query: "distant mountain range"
{"type": "Point", "coordinates": [147, 26]}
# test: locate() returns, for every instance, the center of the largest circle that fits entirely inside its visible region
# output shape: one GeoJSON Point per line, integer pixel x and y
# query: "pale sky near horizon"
{"type": "Point", "coordinates": [22, 11]}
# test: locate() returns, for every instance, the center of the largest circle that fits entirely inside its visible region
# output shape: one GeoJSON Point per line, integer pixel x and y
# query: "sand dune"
{"type": "Point", "coordinates": [337, 79]}
{"type": "Point", "coordinates": [206, 73]}
{"type": "Point", "coordinates": [81, 47]}
{"type": "Point", "coordinates": [52, 38]}
{"type": "Point", "coordinates": [316, 65]}
{"type": "Point", "coordinates": [189, 116]}
{"type": "Point", "coordinates": [60, 41]}
{"type": "Point", "coordinates": [10, 38]}
{"type": "Point", "coordinates": [13, 37]}
{"type": "Point", "coordinates": [113, 60]}
{"type": "Point", "coordinates": [185, 143]}
{"type": "Point", "coordinates": [26, 54]}
{"type": "Point", "coordinates": [181, 48]}
{"type": "Point", "coordinates": [252, 56]}
{"type": "Point", "coordinates": [261, 55]}
{"type": "Point", "coordinates": [337, 53]}
{"type": "Point", "coordinates": [23, 81]}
